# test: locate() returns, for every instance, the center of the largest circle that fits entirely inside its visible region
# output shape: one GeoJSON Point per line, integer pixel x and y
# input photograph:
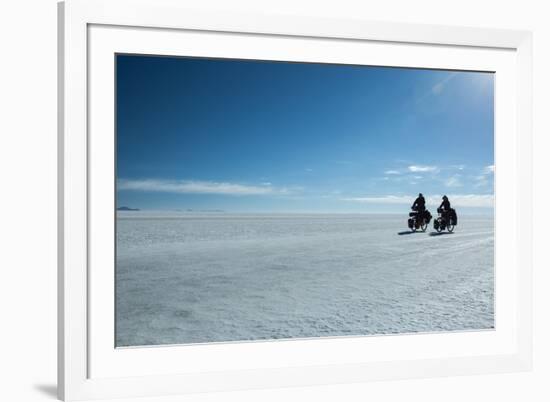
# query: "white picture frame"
{"type": "Point", "coordinates": [90, 32]}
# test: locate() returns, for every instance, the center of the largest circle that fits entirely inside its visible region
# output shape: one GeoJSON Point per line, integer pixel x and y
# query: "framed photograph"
{"type": "Point", "coordinates": [253, 201]}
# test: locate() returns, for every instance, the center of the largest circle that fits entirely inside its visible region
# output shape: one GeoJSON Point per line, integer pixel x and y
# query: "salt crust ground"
{"type": "Point", "coordinates": [190, 278]}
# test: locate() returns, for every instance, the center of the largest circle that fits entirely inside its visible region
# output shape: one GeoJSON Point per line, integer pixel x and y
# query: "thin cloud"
{"type": "Point", "coordinates": [422, 168]}
{"type": "Point", "coordinates": [439, 87]}
{"type": "Point", "coordinates": [387, 199]}
{"type": "Point", "coordinates": [393, 172]}
{"type": "Point", "coordinates": [484, 178]}
{"type": "Point", "coordinates": [458, 200]}
{"type": "Point", "coordinates": [453, 181]}
{"type": "Point", "coordinates": [481, 180]}
{"type": "Point", "coordinates": [198, 187]}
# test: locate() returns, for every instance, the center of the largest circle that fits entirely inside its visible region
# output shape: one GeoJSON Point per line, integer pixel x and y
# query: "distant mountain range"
{"type": "Point", "coordinates": [175, 210]}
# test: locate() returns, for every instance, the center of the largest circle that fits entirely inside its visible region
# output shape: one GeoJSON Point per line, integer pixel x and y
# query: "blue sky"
{"type": "Point", "coordinates": [259, 136]}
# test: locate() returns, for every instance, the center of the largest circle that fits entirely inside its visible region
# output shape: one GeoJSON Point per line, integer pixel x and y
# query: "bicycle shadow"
{"type": "Point", "coordinates": [407, 232]}
{"type": "Point", "coordinates": [440, 233]}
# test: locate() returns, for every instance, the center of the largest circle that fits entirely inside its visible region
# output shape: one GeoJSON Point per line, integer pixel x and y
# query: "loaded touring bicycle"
{"type": "Point", "coordinates": [419, 220]}
{"type": "Point", "coordinates": [445, 220]}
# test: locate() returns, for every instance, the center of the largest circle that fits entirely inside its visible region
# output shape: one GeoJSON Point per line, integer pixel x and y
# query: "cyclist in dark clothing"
{"type": "Point", "coordinates": [445, 207]}
{"type": "Point", "coordinates": [445, 204]}
{"type": "Point", "coordinates": [419, 205]}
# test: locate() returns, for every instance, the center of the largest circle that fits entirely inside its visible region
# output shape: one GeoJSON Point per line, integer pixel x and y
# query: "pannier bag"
{"type": "Point", "coordinates": [453, 217]}
{"type": "Point", "coordinates": [427, 216]}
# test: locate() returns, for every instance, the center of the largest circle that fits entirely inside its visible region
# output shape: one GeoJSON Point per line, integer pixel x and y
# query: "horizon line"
{"type": "Point", "coordinates": [468, 211]}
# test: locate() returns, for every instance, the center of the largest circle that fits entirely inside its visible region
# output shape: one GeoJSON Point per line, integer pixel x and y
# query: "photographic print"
{"type": "Point", "coordinates": [265, 200]}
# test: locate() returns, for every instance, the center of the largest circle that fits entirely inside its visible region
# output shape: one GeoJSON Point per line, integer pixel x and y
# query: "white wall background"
{"type": "Point", "coordinates": [28, 198]}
